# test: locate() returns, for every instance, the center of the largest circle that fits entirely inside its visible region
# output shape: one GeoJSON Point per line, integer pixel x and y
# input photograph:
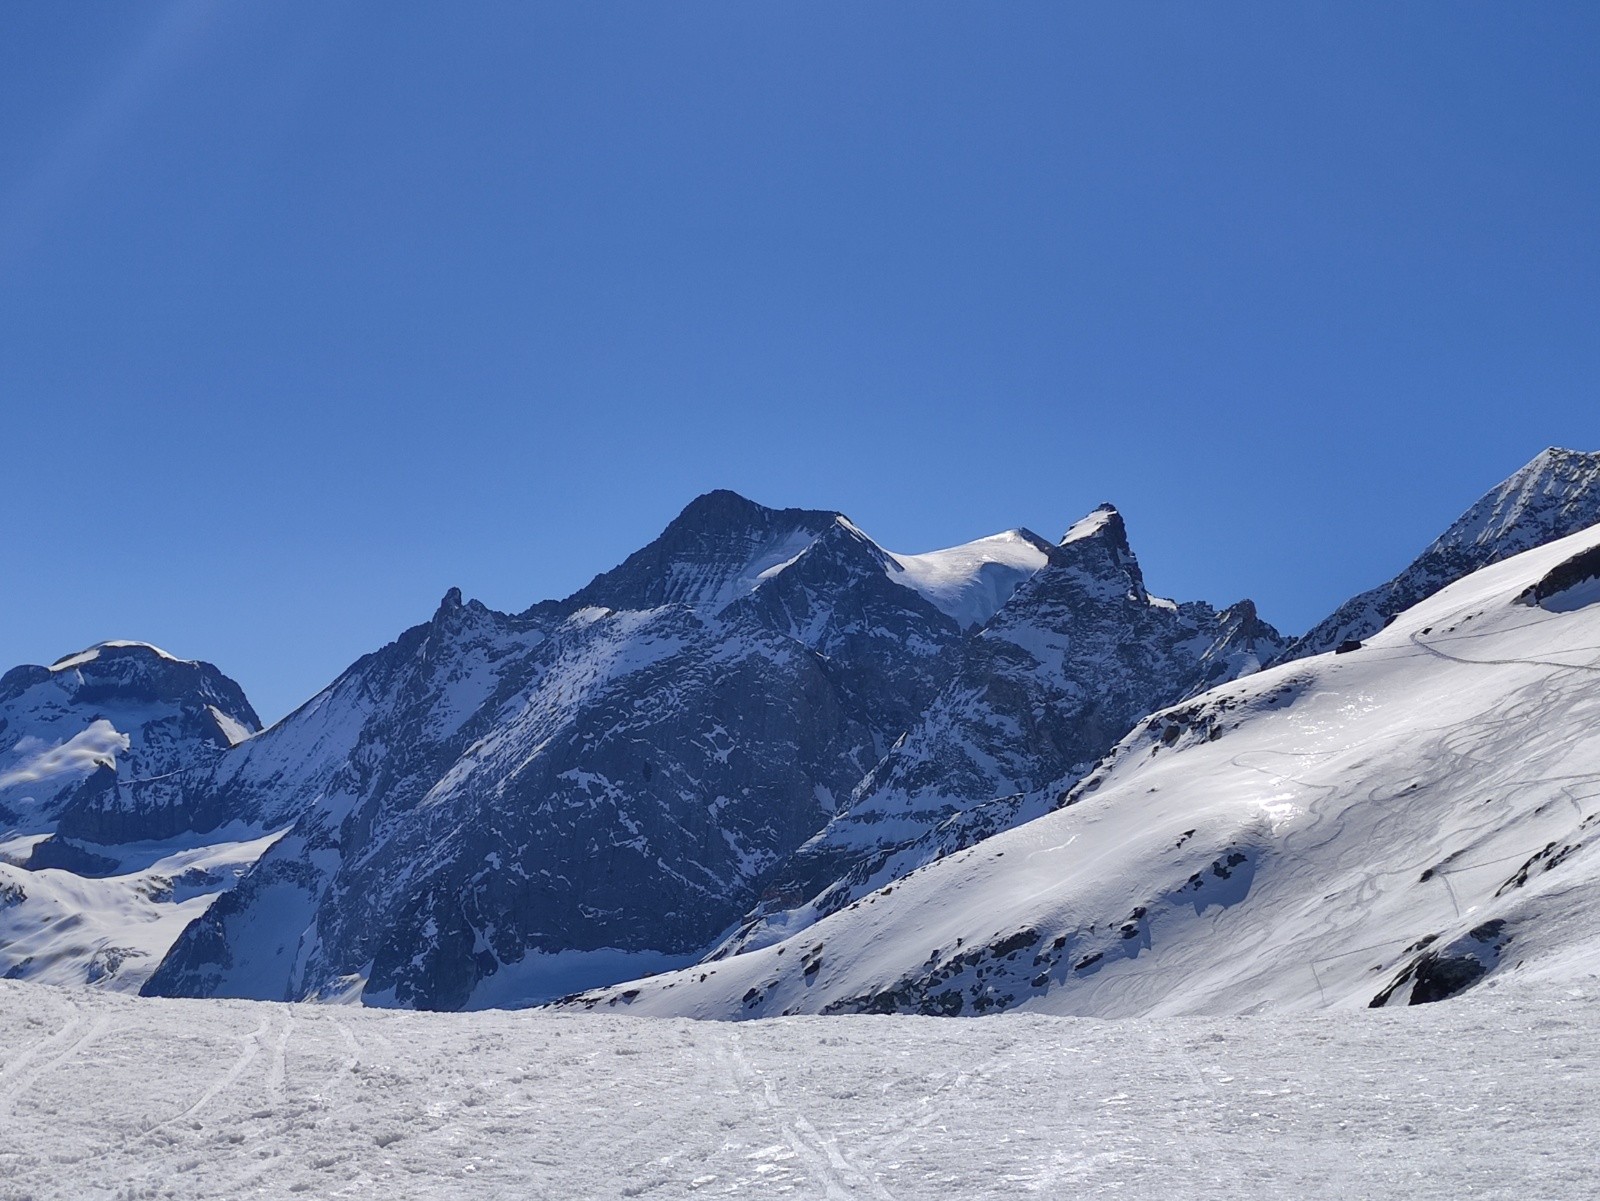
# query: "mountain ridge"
{"type": "Point", "coordinates": [760, 718]}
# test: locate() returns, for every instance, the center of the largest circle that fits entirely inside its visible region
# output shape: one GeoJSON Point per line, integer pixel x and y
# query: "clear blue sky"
{"type": "Point", "coordinates": [310, 310]}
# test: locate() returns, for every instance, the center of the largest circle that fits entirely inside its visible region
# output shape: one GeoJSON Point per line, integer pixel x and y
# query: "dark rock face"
{"type": "Point", "coordinates": [1067, 667]}
{"type": "Point", "coordinates": [57, 852]}
{"type": "Point", "coordinates": [1556, 494]}
{"type": "Point", "coordinates": [622, 770]}
{"type": "Point", "coordinates": [108, 745]}
{"type": "Point", "coordinates": [1562, 588]}
{"type": "Point", "coordinates": [1439, 973]}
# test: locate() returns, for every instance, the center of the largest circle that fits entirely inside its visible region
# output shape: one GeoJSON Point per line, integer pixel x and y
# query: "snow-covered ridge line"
{"type": "Point", "coordinates": [972, 581]}
{"type": "Point", "coordinates": [80, 658]}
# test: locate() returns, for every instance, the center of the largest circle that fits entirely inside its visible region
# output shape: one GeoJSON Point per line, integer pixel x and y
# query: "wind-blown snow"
{"type": "Point", "coordinates": [107, 1097]}
{"type": "Point", "coordinates": [1088, 527]}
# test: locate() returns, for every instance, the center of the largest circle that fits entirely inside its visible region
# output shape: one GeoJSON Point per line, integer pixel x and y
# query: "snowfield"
{"type": "Point", "coordinates": [108, 1096]}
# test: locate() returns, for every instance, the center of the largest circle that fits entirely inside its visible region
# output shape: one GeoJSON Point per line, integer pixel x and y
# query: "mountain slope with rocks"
{"type": "Point", "coordinates": [1387, 826]}
{"type": "Point", "coordinates": [497, 807]}
{"type": "Point", "coordinates": [1078, 654]}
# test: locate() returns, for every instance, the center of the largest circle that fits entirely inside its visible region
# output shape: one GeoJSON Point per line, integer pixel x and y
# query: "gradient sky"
{"type": "Point", "coordinates": [309, 311]}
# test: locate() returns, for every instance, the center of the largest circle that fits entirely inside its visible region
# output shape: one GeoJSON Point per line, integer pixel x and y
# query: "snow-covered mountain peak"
{"type": "Point", "coordinates": [75, 733]}
{"type": "Point", "coordinates": [127, 672]}
{"type": "Point", "coordinates": [1104, 520]}
{"type": "Point", "coordinates": [117, 648]}
{"type": "Point", "coordinates": [1556, 487]}
{"type": "Point", "coordinates": [972, 581]}
{"type": "Point", "coordinates": [717, 550]}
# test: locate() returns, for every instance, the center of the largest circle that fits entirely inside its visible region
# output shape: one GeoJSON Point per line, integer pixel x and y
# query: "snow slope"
{"type": "Point", "coordinates": [972, 581]}
{"type": "Point", "coordinates": [113, 927]}
{"type": "Point", "coordinates": [105, 1097]}
{"type": "Point", "coordinates": [1387, 825]}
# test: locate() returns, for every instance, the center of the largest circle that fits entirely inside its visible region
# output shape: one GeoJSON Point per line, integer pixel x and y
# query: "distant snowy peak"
{"type": "Point", "coordinates": [1555, 495]}
{"type": "Point", "coordinates": [127, 673]}
{"type": "Point", "coordinates": [972, 581]}
{"type": "Point", "coordinates": [724, 547]}
{"type": "Point", "coordinates": [717, 550]}
{"type": "Point", "coordinates": [141, 649]}
{"type": "Point", "coordinates": [75, 735]}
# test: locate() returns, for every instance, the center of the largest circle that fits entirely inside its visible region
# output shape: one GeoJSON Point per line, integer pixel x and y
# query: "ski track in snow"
{"type": "Point", "coordinates": [41, 1059]}
{"type": "Point", "coordinates": [110, 1098]}
{"type": "Point", "coordinates": [841, 1176]}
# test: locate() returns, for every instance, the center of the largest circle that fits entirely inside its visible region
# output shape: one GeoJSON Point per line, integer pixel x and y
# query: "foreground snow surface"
{"type": "Point", "coordinates": [101, 1095]}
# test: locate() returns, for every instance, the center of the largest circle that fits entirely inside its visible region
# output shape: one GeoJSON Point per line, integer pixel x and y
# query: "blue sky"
{"type": "Point", "coordinates": [309, 311]}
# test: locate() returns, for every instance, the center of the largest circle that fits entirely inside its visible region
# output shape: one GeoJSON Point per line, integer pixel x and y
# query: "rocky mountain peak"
{"type": "Point", "coordinates": [1557, 490]}
{"type": "Point", "coordinates": [1554, 495]}
{"type": "Point", "coordinates": [1097, 547]}
{"type": "Point", "coordinates": [712, 553]}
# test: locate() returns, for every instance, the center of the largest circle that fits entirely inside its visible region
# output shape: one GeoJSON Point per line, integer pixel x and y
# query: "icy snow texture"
{"type": "Point", "coordinates": [105, 1097]}
{"type": "Point", "coordinates": [1384, 826]}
